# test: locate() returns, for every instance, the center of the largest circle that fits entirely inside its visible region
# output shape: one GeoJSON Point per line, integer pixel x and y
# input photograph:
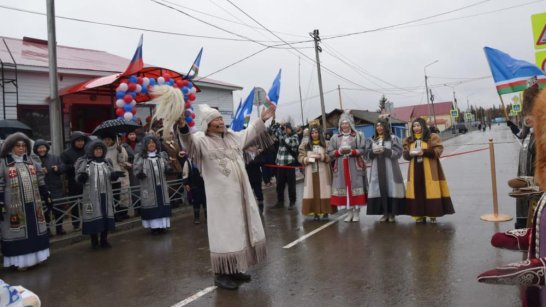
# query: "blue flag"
{"type": "Point", "coordinates": [511, 75]}
{"type": "Point", "coordinates": [274, 91]}
{"type": "Point", "coordinates": [243, 116]}
{"type": "Point", "coordinates": [236, 114]}
{"type": "Point", "coordinates": [195, 67]}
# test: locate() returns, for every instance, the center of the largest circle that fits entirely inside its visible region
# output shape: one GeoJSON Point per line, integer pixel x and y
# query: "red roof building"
{"type": "Point", "coordinates": [24, 85]}
{"type": "Point", "coordinates": [442, 111]}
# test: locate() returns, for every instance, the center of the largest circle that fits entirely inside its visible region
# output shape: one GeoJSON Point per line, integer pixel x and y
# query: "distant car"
{"type": "Point", "coordinates": [461, 128]}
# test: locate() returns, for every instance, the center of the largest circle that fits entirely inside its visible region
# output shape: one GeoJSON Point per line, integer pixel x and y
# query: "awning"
{"type": "Point", "coordinates": [106, 85]}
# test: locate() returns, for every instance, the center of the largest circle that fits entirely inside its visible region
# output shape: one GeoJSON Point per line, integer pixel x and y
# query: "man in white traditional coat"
{"type": "Point", "coordinates": [236, 233]}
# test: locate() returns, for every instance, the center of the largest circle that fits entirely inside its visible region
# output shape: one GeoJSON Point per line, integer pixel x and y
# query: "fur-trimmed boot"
{"type": "Point", "coordinates": [356, 215]}
{"type": "Point", "coordinates": [350, 213]}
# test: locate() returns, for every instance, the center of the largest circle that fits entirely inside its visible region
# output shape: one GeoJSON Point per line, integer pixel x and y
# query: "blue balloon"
{"type": "Point", "coordinates": [185, 97]}
{"type": "Point", "coordinates": [185, 90]}
{"type": "Point", "coordinates": [120, 117]}
{"type": "Point", "coordinates": [188, 119]}
{"type": "Point", "coordinates": [171, 82]}
{"type": "Point", "coordinates": [127, 107]}
{"type": "Point", "coordinates": [133, 94]}
{"type": "Point", "coordinates": [190, 85]}
{"type": "Point", "coordinates": [133, 79]}
{"type": "Point", "coordinates": [152, 82]}
{"type": "Point", "coordinates": [120, 94]}
{"type": "Point", "coordinates": [134, 118]}
{"type": "Point", "coordinates": [144, 90]}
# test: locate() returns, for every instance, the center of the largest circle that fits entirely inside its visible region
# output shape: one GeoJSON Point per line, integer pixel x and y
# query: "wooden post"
{"type": "Point", "coordinates": [495, 217]}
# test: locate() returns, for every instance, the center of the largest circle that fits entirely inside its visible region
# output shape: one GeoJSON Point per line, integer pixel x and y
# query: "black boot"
{"type": "Point", "coordinates": [94, 241]}
{"type": "Point", "coordinates": [241, 277]}
{"type": "Point", "coordinates": [60, 231]}
{"type": "Point", "coordinates": [224, 281]}
{"type": "Point", "coordinates": [196, 216]}
{"type": "Point", "coordinates": [104, 240]}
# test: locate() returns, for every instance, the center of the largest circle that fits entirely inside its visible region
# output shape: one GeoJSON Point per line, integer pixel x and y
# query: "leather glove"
{"type": "Point", "coordinates": [115, 175]}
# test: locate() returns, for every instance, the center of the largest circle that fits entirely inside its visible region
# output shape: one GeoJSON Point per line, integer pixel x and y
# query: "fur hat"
{"type": "Point", "coordinates": [10, 142]}
{"type": "Point", "coordinates": [90, 148]}
{"type": "Point", "coordinates": [207, 115]}
{"type": "Point", "coordinates": [347, 116]}
{"type": "Point", "coordinates": [539, 124]}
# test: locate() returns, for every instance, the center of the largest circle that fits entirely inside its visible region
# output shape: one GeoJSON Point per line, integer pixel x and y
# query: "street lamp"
{"type": "Point", "coordinates": [428, 97]}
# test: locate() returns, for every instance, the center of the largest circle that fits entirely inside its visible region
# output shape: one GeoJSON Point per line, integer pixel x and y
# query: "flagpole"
{"type": "Point", "coordinates": [503, 108]}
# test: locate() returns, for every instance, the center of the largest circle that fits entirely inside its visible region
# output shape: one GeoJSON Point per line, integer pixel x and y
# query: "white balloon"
{"type": "Point", "coordinates": [120, 103]}
{"type": "Point", "coordinates": [128, 115]}
{"type": "Point", "coordinates": [193, 90]}
{"type": "Point", "coordinates": [133, 103]}
{"type": "Point", "coordinates": [138, 88]}
{"type": "Point", "coordinates": [145, 81]}
{"type": "Point", "coordinates": [160, 80]}
{"type": "Point", "coordinates": [123, 87]}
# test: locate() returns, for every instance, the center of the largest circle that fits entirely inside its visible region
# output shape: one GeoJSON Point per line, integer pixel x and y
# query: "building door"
{"type": "Point", "coordinates": [86, 117]}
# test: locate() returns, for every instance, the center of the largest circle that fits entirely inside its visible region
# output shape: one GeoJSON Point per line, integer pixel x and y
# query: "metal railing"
{"type": "Point", "coordinates": [62, 207]}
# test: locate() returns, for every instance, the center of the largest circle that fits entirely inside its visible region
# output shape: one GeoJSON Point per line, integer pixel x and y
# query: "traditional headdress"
{"type": "Point", "coordinates": [207, 114]}
{"type": "Point", "coordinates": [347, 116]}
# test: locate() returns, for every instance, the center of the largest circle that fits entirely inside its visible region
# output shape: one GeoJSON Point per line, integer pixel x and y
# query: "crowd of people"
{"type": "Point", "coordinates": [103, 171]}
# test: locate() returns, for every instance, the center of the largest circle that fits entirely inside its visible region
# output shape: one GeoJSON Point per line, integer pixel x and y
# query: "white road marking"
{"type": "Point", "coordinates": [194, 297]}
{"type": "Point", "coordinates": [301, 239]}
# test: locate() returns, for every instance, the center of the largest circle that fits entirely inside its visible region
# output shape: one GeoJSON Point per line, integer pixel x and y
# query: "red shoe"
{"type": "Point", "coordinates": [524, 273]}
{"type": "Point", "coordinates": [515, 239]}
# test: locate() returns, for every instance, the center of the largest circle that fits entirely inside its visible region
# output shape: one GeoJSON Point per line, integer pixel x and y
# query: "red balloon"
{"type": "Point", "coordinates": [127, 98]}
{"type": "Point", "coordinates": [180, 83]}
{"type": "Point", "coordinates": [119, 111]}
{"type": "Point", "coordinates": [185, 83]}
{"type": "Point", "coordinates": [166, 77]}
{"type": "Point", "coordinates": [132, 87]}
{"type": "Point", "coordinates": [188, 105]}
{"type": "Point", "coordinates": [133, 111]}
{"type": "Point", "coordinates": [191, 97]}
{"type": "Point", "coordinates": [140, 80]}
{"type": "Point", "coordinates": [175, 85]}
{"type": "Point", "coordinates": [191, 124]}
{"type": "Point", "coordinates": [193, 115]}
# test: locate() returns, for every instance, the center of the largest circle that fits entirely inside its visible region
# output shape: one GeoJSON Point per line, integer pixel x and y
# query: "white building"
{"type": "Point", "coordinates": [24, 86]}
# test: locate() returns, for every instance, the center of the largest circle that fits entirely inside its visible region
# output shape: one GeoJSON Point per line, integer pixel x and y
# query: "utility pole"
{"type": "Point", "coordinates": [427, 90]}
{"type": "Point", "coordinates": [316, 38]}
{"type": "Point", "coordinates": [55, 115]}
{"type": "Point", "coordinates": [340, 101]}
{"type": "Point", "coordinates": [299, 87]}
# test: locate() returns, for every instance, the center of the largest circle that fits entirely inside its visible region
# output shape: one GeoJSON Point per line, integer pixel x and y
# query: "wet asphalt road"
{"type": "Point", "coordinates": [345, 264]}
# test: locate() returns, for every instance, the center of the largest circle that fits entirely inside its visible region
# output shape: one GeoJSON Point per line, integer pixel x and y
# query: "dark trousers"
{"type": "Point", "coordinates": [257, 188]}
{"type": "Point", "coordinates": [286, 176]}
{"type": "Point", "coordinates": [103, 238]}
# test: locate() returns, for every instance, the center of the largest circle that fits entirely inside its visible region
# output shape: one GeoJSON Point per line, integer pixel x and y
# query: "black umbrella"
{"type": "Point", "coordinates": [115, 126]}
{"type": "Point", "coordinates": [9, 126]}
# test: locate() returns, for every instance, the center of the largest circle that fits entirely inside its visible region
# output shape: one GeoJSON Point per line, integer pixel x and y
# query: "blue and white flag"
{"type": "Point", "coordinates": [244, 115]}
{"type": "Point", "coordinates": [274, 91]}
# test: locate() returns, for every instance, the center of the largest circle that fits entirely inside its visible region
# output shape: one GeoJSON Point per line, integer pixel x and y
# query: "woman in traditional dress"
{"type": "Point", "coordinates": [386, 191]}
{"type": "Point", "coordinates": [25, 242]}
{"type": "Point", "coordinates": [150, 167]}
{"type": "Point", "coordinates": [317, 186]}
{"type": "Point", "coordinates": [427, 194]}
{"type": "Point", "coordinates": [96, 173]}
{"type": "Point", "coordinates": [349, 185]}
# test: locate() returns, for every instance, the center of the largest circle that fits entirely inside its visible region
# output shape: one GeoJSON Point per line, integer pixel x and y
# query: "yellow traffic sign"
{"type": "Point", "coordinates": [539, 30]}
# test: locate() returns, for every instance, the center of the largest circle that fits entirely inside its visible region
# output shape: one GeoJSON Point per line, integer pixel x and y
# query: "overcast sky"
{"type": "Point", "coordinates": [389, 61]}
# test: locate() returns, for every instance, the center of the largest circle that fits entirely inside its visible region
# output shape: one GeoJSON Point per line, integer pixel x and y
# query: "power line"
{"type": "Point", "coordinates": [298, 51]}
{"type": "Point", "coordinates": [227, 20]}
{"type": "Point", "coordinates": [234, 63]}
{"type": "Point", "coordinates": [406, 22]}
{"type": "Point", "coordinates": [140, 28]}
